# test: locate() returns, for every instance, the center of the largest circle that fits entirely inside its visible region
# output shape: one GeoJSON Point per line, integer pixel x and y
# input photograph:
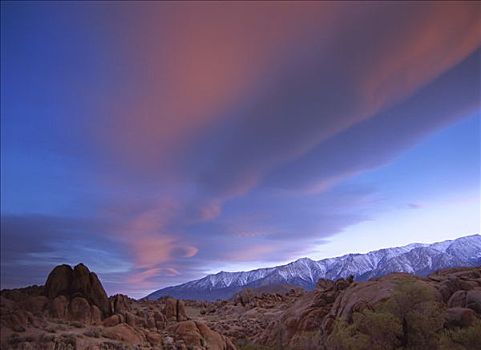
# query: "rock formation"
{"type": "Point", "coordinates": [77, 282]}
{"type": "Point", "coordinates": [399, 310]}
{"type": "Point", "coordinates": [72, 311]}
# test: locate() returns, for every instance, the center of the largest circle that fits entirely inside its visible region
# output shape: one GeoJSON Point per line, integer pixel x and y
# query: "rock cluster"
{"type": "Point", "coordinates": [307, 314]}
{"type": "Point", "coordinates": [79, 286]}
{"type": "Point", "coordinates": [73, 311]}
{"type": "Point", "coordinates": [460, 289]}
{"type": "Point", "coordinates": [306, 320]}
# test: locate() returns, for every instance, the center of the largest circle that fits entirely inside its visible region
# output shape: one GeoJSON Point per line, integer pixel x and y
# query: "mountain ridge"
{"type": "Point", "coordinates": [416, 258]}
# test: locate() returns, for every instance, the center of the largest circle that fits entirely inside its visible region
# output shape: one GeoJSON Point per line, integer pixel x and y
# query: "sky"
{"type": "Point", "coordinates": [157, 142]}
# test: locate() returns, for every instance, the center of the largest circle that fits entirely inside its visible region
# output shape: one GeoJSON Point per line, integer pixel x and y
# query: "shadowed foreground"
{"type": "Point", "coordinates": [397, 311]}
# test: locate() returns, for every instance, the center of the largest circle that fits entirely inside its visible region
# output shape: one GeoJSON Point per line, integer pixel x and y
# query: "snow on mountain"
{"type": "Point", "coordinates": [417, 258]}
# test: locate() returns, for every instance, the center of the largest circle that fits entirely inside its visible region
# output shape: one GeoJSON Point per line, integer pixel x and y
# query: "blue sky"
{"type": "Point", "coordinates": [157, 142]}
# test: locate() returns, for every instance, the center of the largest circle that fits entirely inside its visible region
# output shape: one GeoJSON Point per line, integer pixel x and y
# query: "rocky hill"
{"type": "Point", "coordinates": [396, 311]}
{"type": "Point", "coordinates": [72, 311]}
{"type": "Point", "coordinates": [418, 259]}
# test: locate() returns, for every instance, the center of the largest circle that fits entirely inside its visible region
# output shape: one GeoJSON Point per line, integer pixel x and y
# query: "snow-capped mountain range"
{"type": "Point", "coordinates": [416, 258]}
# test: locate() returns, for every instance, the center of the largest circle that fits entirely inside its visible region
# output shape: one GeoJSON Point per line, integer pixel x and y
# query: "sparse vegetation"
{"type": "Point", "coordinates": [396, 312]}
{"type": "Point", "coordinates": [462, 338]}
{"type": "Point", "coordinates": [411, 318]}
{"type": "Point", "coordinates": [310, 340]}
{"type": "Point", "coordinates": [244, 344]}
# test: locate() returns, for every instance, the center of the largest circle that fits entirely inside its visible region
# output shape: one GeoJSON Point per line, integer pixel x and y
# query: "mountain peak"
{"type": "Point", "coordinates": [417, 258]}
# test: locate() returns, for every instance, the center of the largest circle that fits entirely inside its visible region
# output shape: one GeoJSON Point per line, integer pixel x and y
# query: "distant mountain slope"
{"type": "Point", "coordinates": [417, 258]}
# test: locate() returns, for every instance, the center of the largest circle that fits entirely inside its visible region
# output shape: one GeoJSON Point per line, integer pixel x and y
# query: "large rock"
{"type": "Point", "coordinates": [59, 281]}
{"type": "Point", "coordinates": [112, 321]}
{"type": "Point", "coordinates": [324, 284]}
{"type": "Point", "coordinates": [174, 310]}
{"type": "Point", "coordinates": [58, 307]}
{"type": "Point", "coordinates": [458, 299]}
{"type": "Point", "coordinates": [124, 333]}
{"type": "Point", "coordinates": [79, 310]}
{"type": "Point", "coordinates": [77, 282]}
{"type": "Point", "coordinates": [198, 335]}
{"type": "Point", "coordinates": [119, 304]}
{"type": "Point", "coordinates": [317, 312]}
{"type": "Point", "coordinates": [304, 316]}
{"type": "Point", "coordinates": [365, 295]}
{"type": "Point", "coordinates": [96, 315]}
{"type": "Point", "coordinates": [459, 317]}
{"type": "Point", "coordinates": [244, 297]}
{"type": "Point", "coordinates": [87, 284]}
{"type": "Point", "coordinates": [473, 300]}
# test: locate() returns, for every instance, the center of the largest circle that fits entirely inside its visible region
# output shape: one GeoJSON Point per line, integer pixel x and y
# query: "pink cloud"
{"type": "Point", "coordinates": [210, 210]}
{"type": "Point", "coordinates": [146, 278]}
{"type": "Point", "coordinates": [154, 249]}
{"type": "Point", "coordinates": [252, 253]}
{"type": "Point", "coordinates": [435, 38]}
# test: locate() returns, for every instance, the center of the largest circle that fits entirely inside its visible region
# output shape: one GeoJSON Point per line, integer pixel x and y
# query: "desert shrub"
{"type": "Point", "coordinates": [468, 338]}
{"type": "Point", "coordinates": [420, 314]}
{"type": "Point", "coordinates": [369, 330]}
{"type": "Point", "coordinates": [410, 319]}
{"type": "Point", "coordinates": [309, 340]}
{"type": "Point", "coordinates": [382, 328]}
{"type": "Point", "coordinates": [347, 337]}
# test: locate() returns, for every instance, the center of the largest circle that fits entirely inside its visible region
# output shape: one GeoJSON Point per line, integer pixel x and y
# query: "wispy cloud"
{"type": "Point", "coordinates": [204, 132]}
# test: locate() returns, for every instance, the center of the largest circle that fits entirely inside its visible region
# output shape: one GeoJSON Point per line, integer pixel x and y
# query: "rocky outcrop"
{"type": "Point", "coordinates": [119, 304]}
{"type": "Point", "coordinates": [174, 310]}
{"type": "Point", "coordinates": [244, 297]}
{"type": "Point", "coordinates": [77, 282]}
{"type": "Point", "coordinates": [473, 300]}
{"type": "Point", "coordinates": [72, 311]}
{"type": "Point", "coordinates": [123, 333]}
{"type": "Point", "coordinates": [59, 281]}
{"type": "Point", "coordinates": [365, 295]}
{"type": "Point", "coordinates": [198, 335]}
{"type": "Point", "coordinates": [79, 309]}
{"type": "Point", "coordinates": [456, 281]}
{"type": "Point", "coordinates": [58, 307]}
{"type": "Point", "coordinates": [114, 320]}
{"type": "Point", "coordinates": [306, 315]}
{"type": "Point", "coordinates": [309, 321]}
{"type": "Point", "coordinates": [459, 317]}
{"type": "Point", "coordinates": [65, 315]}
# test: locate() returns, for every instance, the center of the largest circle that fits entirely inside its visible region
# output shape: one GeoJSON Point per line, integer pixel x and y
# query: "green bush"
{"type": "Point", "coordinates": [421, 316]}
{"type": "Point", "coordinates": [410, 319]}
{"type": "Point", "coordinates": [374, 330]}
